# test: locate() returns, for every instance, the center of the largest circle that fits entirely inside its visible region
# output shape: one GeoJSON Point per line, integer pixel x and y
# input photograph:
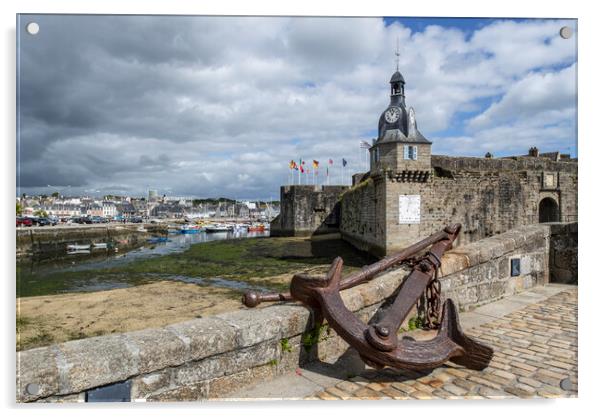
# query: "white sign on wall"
{"type": "Point", "coordinates": [409, 209]}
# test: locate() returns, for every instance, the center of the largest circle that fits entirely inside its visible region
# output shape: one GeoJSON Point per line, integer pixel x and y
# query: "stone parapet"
{"type": "Point", "coordinates": [208, 357]}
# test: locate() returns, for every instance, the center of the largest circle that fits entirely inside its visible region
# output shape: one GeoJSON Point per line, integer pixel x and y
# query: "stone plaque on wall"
{"type": "Point", "coordinates": [409, 209]}
{"type": "Point", "coordinates": [549, 180]}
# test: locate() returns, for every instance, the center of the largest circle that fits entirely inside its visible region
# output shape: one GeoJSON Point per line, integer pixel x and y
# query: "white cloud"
{"type": "Point", "coordinates": [202, 105]}
{"type": "Point", "coordinates": [532, 96]}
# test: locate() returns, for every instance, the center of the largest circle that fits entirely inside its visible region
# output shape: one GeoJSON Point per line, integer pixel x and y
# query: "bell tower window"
{"type": "Point", "coordinates": [410, 152]}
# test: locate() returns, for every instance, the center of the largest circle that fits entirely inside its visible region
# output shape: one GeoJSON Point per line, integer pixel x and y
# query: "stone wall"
{"type": "Point", "coordinates": [50, 241]}
{"type": "Point", "coordinates": [209, 357]}
{"type": "Point", "coordinates": [363, 215]}
{"type": "Point", "coordinates": [487, 196]}
{"type": "Point", "coordinates": [307, 210]}
{"type": "Point", "coordinates": [563, 253]}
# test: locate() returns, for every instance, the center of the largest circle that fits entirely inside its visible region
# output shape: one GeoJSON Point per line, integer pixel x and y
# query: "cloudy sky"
{"type": "Point", "coordinates": [217, 106]}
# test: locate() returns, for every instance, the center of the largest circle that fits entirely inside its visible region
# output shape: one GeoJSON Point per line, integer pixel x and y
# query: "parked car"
{"type": "Point", "coordinates": [136, 220]}
{"type": "Point", "coordinates": [45, 221]}
{"type": "Point", "coordinates": [24, 221]}
{"type": "Point", "coordinates": [82, 220]}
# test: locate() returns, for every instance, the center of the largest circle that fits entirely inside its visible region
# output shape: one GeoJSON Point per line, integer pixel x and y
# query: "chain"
{"type": "Point", "coordinates": [431, 299]}
{"type": "Point", "coordinates": [433, 303]}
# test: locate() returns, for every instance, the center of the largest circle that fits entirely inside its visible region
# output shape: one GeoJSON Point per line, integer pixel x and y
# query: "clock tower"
{"type": "Point", "coordinates": [400, 151]}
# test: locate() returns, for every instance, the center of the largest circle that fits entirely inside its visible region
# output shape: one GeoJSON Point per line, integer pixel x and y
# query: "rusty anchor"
{"type": "Point", "coordinates": [378, 344]}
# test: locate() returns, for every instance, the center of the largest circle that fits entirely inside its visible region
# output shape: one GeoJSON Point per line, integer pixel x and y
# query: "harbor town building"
{"type": "Point", "coordinates": [408, 193]}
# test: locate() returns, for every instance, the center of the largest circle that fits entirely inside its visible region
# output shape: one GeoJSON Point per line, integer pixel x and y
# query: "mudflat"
{"type": "Point", "coordinates": [45, 320]}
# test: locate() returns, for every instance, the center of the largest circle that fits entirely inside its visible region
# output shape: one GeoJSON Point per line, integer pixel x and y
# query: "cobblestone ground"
{"type": "Point", "coordinates": [535, 356]}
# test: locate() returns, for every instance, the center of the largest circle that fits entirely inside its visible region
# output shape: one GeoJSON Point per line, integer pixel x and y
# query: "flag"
{"type": "Point", "coordinates": [292, 165]}
{"type": "Point", "coordinates": [344, 162]}
{"type": "Point", "coordinates": [301, 168]}
{"type": "Point", "coordinates": [365, 145]}
{"type": "Point", "coordinates": [330, 161]}
{"type": "Point", "coordinates": [316, 163]}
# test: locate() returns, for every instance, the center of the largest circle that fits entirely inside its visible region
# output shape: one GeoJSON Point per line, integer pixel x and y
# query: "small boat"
{"type": "Point", "coordinates": [71, 248]}
{"type": "Point", "coordinates": [78, 252]}
{"type": "Point", "coordinates": [158, 239]}
{"type": "Point", "coordinates": [257, 228]}
{"type": "Point", "coordinates": [141, 229]}
{"type": "Point", "coordinates": [218, 228]}
{"type": "Point", "coordinates": [189, 228]}
{"type": "Point", "coordinates": [99, 246]}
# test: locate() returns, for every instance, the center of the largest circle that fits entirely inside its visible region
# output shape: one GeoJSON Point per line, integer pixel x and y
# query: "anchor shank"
{"type": "Point", "coordinates": [383, 335]}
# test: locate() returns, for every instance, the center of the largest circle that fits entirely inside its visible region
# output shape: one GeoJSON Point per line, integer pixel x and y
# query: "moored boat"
{"type": "Point", "coordinates": [189, 228]}
{"type": "Point", "coordinates": [77, 247]}
{"type": "Point", "coordinates": [158, 239]}
{"type": "Point", "coordinates": [256, 228]}
{"type": "Point", "coordinates": [218, 228]}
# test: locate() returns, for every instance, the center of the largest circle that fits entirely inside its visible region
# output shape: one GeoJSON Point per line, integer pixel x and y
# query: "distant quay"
{"type": "Point", "coordinates": [54, 239]}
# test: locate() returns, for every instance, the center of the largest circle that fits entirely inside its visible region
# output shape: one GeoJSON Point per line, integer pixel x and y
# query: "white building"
{"type": "Point", "coordinates": [109, 209]}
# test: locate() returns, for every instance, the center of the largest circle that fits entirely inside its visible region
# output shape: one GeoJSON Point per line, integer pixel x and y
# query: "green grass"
{"type": "Point", "coordinates": [243, 260]}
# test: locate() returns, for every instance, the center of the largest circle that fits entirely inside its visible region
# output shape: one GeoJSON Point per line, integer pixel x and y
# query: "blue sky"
{"type": "Point", "coordinates": [218, 105]}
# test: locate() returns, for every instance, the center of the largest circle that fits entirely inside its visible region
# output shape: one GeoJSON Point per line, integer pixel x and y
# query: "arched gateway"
{"type": "Point", "coordinates": [548, 210]}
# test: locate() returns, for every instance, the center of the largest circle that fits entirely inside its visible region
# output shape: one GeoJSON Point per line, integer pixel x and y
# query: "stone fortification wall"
{"type": "Point", "coordinates": [363, 215]}
{"type": "Point", "coordinates": [487, 196]}
{"type": "Point", "coordinates": [209, 357]}
{"type": "Point", "coordinates": [307, 210]}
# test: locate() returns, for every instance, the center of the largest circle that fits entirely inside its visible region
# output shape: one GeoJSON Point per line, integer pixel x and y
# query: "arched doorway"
{"type": "Point", "coordinates": [548, 210]}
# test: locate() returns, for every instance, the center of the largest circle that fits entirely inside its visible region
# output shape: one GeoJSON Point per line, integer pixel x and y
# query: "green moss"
{"type": "Point", "coordinates": [315, 336]}
{"type": "Point", "coordinates": [285, 345]}
{"type": "Point", "coordinates": [273, 362]}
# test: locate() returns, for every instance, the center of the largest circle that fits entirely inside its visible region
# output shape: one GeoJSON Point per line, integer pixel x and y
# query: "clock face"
{"type": "Point", "coordinates": [392, 115]}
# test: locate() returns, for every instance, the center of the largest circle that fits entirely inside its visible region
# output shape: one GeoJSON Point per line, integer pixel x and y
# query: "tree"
{"type": "Point", "coordinates": [40, 213]}
{"type": "Point", "coordinates": [55, 194]}
{"type": "Point", "coordinates": [19, 209]}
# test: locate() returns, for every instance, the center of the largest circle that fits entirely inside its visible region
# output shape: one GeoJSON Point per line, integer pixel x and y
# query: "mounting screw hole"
{"type": "Point", "coordinates": [32, 389]}
{"type": "Point", "coordinates": [566, 32]}
{"type": "Point", "coordinates": [566, 384]}
{"type": "Point", "coordinates": [32, 28]}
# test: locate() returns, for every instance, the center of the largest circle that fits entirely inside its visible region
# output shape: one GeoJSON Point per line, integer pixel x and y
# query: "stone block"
{"type": "Point", "coordinates": [255, 326]}
{"type": "Point", "coordinates": [145, 385]}
{"type": "Point", "coordinates": [192, 392]}
{"type": "Point", "coordinates": [352, 298]}
{"type": "Point", "coordinates": [226, 364]}
{"type": "Point", "coordinates": [205, 337]}
{"type": "Point", "coordinates": [295, 319]}
{"type": "Point", "coordinates": [220, 387]}
{"type": "Point", "coordinates": [157, 349]}
{"type": "Point", "coordinates": [37, 367]}
{"type": "Point", "coordinates": [486, 251]}
{"type": "Point", "coordinates": [95, 361]}
{"type": "Point", "coordinates": [453, 262]}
